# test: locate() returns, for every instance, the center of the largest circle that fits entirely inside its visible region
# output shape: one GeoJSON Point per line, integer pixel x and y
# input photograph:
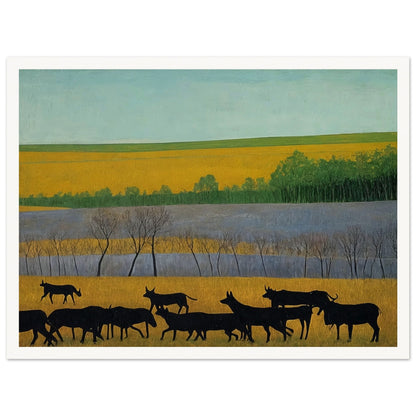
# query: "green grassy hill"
{"type": "Point", "coordinates": [215, 144]}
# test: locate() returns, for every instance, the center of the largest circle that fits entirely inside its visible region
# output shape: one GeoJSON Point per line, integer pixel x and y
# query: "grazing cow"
{"type": "Point", "coordinates": [49, 289]}
{"type": "Point", "coordinates": [176, 322]}
{"type": "Point", "coordinates": [363, 313]}
{"type": "Point", "coordinates": [35, 320]}
{"type": "Point", "coordinates": [125, 318]}
{"type": "Point", "coordinates": [159, 300]}
{"type": "Point", "coordinates": [89, 319]}
{"type": "Point", "coordinates": [253, 316]}
{"type": "Point", "coordinates": [286, 297]}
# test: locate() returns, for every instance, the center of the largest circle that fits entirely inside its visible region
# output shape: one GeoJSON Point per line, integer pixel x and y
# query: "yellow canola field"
{"type": "Point", "coordinates": [128, 292]}
{"type": "Point", "coordinates": [50, 173]}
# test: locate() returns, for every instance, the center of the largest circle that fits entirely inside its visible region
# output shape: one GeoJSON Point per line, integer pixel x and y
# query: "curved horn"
{"type": "Point", "coordinates": [335, 298]}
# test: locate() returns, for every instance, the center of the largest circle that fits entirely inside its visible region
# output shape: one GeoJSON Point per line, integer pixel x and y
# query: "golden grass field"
{"type": "Point", "coordinates": [52, 172]}
{"type": "Point", "coordinates": [128, 292]}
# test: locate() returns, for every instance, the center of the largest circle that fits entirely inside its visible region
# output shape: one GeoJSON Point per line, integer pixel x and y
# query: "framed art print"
{"type": "Point", "coordinates": [220, 208]}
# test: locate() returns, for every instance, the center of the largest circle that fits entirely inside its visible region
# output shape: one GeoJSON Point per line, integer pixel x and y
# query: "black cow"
{"type": "Point", "coordinates": [286, 297]}
{"type": "Point", "coordinates": [125, 318]}
{"type": "Point", "coordinates": [159, 300]}
{"type": "Point", "coordinates": [301, 313]}
{"type": "Point", "coordinates": [89, 319]}
{"type": "Point", "coordinates": [363, 313]}
{"type": "Point", "coordinates": [253, 316]}
{"type": "Point", "coordinates": [35, 320]}
{"type": "Point", "coordinates": [189, 322]}
{"type": "Point", "coordinates": [50, 289]}
{"type": "Point", "coordinates": [227, 322]}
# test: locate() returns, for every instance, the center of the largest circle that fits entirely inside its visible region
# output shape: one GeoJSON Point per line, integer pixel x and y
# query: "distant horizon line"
{"type": "Point", "coordinates": [153, 142]}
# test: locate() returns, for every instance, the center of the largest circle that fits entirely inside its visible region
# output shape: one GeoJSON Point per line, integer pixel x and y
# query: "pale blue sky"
{"type": "Point", "coordinates": [110, 106]}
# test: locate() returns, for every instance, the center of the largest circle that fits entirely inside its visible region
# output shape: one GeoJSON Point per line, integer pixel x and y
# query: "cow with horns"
{"type": "Point", "coordinates": [285, 297]}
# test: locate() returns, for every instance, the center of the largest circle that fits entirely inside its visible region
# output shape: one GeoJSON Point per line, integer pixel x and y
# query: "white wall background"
{"type": "Point", "coordinates": [214, 28]}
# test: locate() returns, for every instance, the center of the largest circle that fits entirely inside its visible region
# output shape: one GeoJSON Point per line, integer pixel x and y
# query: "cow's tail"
{"type": "Point", "coordinates": [190, 297]}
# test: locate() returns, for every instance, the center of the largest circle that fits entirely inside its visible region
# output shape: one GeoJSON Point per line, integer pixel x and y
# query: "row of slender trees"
{"type": "Point", "coordinates": [367, 176]}
{"type": "Point", "coordinates": [143, 227]}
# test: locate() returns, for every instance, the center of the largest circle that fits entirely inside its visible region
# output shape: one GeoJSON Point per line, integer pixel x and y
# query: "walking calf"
{"type": "Point", "coordinates": [253, 316]}
{"type": "Point", "coordinates": [50, 289]}
{"type": "Point", "coordinates": [159, 300]}
{"type": "Point", "coordinates": [35, 320]}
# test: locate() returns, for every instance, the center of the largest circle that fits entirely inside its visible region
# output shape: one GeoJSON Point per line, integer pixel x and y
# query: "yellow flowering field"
{"type": "Point", "coordinates": [53, 172]}
{"type": "Point", "coordinates": [128, 292]}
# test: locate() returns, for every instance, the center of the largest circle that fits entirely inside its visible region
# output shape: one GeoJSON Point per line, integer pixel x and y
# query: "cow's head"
{"type": "Point", "coordinates": [228, 299]}
{"type": "Point", "coordinates": [43, 283]}
{"type": "Point", "coordinates": [269, 293]}
{"type": "Point", "coordinates": [149, 293]}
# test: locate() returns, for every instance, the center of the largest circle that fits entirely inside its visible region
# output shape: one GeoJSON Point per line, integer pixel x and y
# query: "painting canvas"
{"type": "Point", "coordinates": [208, 208]}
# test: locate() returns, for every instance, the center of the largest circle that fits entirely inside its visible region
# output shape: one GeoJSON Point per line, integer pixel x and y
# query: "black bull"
{"type": "Point", "coordinates": [313, 298]}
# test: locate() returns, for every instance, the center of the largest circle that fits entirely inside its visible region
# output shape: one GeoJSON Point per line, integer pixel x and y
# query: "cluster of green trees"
{"type": "Point", "coordinates": [368, 176]}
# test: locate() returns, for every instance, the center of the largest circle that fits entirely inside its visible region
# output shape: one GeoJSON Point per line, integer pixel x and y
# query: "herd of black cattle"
{"type": "Point", "coordinates": [243, 317]}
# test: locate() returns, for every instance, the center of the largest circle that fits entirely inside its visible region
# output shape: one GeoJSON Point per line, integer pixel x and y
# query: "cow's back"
{"type": "Point", "coordinates": [31, 319]}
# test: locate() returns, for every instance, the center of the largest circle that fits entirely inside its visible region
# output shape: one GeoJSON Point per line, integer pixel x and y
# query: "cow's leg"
{"type": "Point", "coordinates": [35, 336]}
{"type": "Point", "coordinates": [376, 330]}
{"type": "Point", "coordinates": [50, 297]}
{"type": "Point", "coordinates": [72, 296]}
{"type": "Point", "coordinates": [43, 296]}
{"type": "Point", "coordinates": [121, 333]}
{"type": "Point", "coordinates": [338, 332]}
{"type": "Point", "coordinates": [137, 329]}
{"type": "Point", "coordinates": [84, 331]}
{"type": "Point", "coordinates": [174, 335]}
{"type": "Point", "coordinates": [73, 333]}
{"type": "Point", "coordinates": [308, 322]}
{"type": "Point", "coordinates": [350, 326]}
{"type": "Point", "coordinates": [147, 329]}
{"type": "Point", "coordinates": [64, 299]}
{"type": "Point", "coordinates": [164, 332]}
{"type": "Point", "coordinates": [266, 328]}
{"type": "Point", "coordinates": [249, 333]}
{"type": "Point", "coordinates": [303, 325]}
{"type": "Point", "coordinates": [59, 334]}
{"type": "Point", "coordinates": [186, 307]}
{"type": "Point", "coordinates": [180, 308]}
{"type": "Point", "coordinates": [190, 332]}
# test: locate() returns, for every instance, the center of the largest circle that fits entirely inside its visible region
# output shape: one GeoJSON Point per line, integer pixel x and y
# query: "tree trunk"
{"type": "Point", "coordinates": [102, 257]}
{"type": "Point", "coordinates": [154, 256]}
{"type": "Point", "coordinates": [133, 263]}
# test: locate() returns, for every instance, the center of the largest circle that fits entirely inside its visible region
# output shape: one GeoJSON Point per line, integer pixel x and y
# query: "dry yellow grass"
{"type": "Point", "coordinates": [128, 292]}
{"type": "Point", "coordinates": [49, 173]}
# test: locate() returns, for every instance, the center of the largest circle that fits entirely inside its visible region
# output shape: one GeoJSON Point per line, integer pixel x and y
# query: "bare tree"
{"type": "Point", "coordinates": [188, 239]}
{"type": "Point", "coordinates": [38, 251]}
{"type": "Point", "coordinates": [73, 246]}
{"type": "Point", "coordinates": [323, 248]}
{"type": "Point", "coordinates": [302, 245]}
{"type": "Point", "coordinates": [230, 242]}
{"type": "Point", "coordinates": [136, 224]}
{"type": "Point", "coordinates": [378, 238]}
{"type": "Point", "coordinates": [206, 247]}
{"type": "Point", "coordinates": [26, 248]}
{"type": "Point", "coordinates": [352, 242]}
{"type": "Point", "coordinates": [262, 246]}
{"type": "Point", "coordinates": [102, 226]}
{"type": "Point", "coordinates": [391, 236]}
{"type": "Point", "coordinates": [159, 217]}
{"type": "Point", "coordinates": [56, 238]}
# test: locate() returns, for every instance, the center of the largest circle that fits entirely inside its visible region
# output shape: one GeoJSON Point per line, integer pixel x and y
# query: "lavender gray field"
{"type": "Point", "coordinates": [287, 221]}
